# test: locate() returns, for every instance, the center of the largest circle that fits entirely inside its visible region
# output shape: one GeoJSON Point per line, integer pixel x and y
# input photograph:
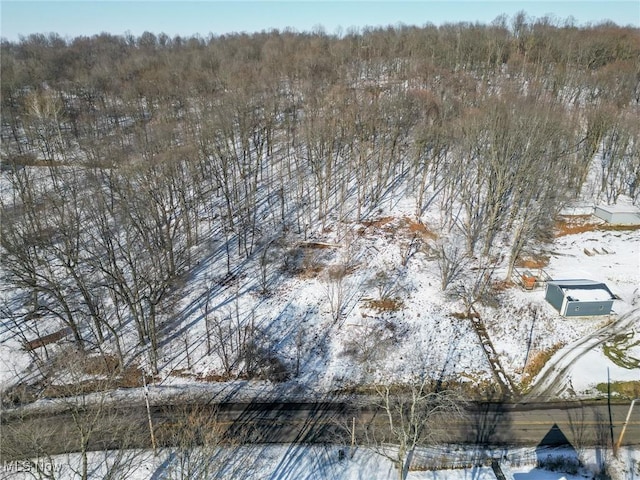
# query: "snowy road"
{"type": "Point", "coordinates": [300, 423]}
{"type": "Point", "coordinates": [553, 380]}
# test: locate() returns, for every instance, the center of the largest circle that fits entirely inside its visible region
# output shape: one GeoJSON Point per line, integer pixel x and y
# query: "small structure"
{"type": "Point", "coordinates": [579, 298]}
{"type": "Point", "coordinates": [618, 214]}
{"type": "Point", "coordinates": [530, 278]}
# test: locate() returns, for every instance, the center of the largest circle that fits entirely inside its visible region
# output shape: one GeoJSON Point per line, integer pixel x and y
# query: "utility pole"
{"type": "Point", "coordinates": [613, 445]}
{"type": "Point", "coordinates": [617, 446]}
{"type": "Point", "coordinates": [146, 400]}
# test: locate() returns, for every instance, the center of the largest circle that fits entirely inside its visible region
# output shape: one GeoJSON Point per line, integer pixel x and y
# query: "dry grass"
{"type": "Point", "coordinates": [502, 285]}
{"type": "Point", "coordinates": [309, 265]}
{"type": "Point", "coordinates": [131, 377]}
{"type": "Point", "coordinates": [79, 388]}
{"type": "Point", "coordinates": [28, 160]}
{"type": "Point", "coordinates": [419, 228]}
{"type": "Point", "coordinates": [94, 373]}
{"type": "Point", "coordinates": [318, 245]}
{"type": "Point", "coordinates": [533, 262]}
{"type": "Point", "coordinates": [537, 362]}
{"type": "Point", "coordinates": [630, 389]}
{"type": "Point", "coordinates": [108, 366]}
{"type": "Point", "coordinates": [310, 271]}
{"type": "Point", "coordinates": [211, 377]}
{"type": "Point", "coordinates": [100, 365]}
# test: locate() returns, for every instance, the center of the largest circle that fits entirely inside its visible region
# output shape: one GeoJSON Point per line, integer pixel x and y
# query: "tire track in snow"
{"type": "Point", "coordinates": [552, 380]}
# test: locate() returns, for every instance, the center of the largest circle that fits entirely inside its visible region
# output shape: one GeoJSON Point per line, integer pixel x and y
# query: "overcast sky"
{"type": "Point", "coordinates": [186, 18]}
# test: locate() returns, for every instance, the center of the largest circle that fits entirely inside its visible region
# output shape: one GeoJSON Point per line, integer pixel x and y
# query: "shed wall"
{"type": "Point", "coordinates": [587, 309]}
{"type": "Point", "coordinates": [554, 296]}
{"type": "Point", "coordinates": [625, 218]}
{"type": "Point", "coordinates": [603, 214]}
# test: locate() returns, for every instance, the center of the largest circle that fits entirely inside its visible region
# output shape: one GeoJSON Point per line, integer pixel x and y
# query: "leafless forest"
{"type": "Point", "coordinates": [155, 153]}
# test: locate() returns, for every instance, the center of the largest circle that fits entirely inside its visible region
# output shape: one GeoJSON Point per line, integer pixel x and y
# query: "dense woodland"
{"type": "Point", "coordinates": [148, 149]}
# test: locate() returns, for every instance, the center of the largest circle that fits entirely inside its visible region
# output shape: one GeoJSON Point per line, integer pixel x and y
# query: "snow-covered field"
{"type": "Point", "coordinates": [331, 462]}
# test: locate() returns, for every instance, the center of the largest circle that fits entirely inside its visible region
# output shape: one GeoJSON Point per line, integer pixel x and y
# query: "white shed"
{"type": "Point", "coordinates": [618, 214]}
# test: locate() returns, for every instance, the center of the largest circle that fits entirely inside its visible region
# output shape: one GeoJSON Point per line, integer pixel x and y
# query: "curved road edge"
{"type": "Point", "coordinates": [552, 380]}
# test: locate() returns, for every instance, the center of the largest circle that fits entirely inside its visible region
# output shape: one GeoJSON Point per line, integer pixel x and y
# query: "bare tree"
{"type": "Point", "coordinates": [335, 288]}
{"type": "Point", "coordinates": [451, 258]}
{"type": "Point", "coordinates": [195, 437]}
{"type": "Point", "coordinates": [265, 264]}
{"type": "Point", "coordinates": [80, 384]}
{"type": "Point", "coordinates": [475, 289]}
{"type": "Point", "coordinates": [416, 414]}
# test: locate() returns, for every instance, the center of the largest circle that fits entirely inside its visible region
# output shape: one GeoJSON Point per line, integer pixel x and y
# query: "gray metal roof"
{"type": "Point", "coordinates": [581, 283]}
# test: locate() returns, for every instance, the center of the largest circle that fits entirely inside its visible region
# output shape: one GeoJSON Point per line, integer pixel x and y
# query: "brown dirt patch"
{"type": "Point", "coordinates": [574, 224]}
{"type": "Point", "coordinates": [386, 304]}
{"type": "Point", "coordinates": [465, 316]}
{"type": "Point", "coordinates": [419, 228]}
{"type": "Point", "coordinates": [502, 285]}
{"type": "Point", "coordinates": [378, 223]}
{"type": "Point", "coordinates": [404, 226]}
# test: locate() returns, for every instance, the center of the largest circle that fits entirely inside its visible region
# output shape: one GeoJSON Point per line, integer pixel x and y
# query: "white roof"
{"type": "Point", "coordinates": [588, 294]}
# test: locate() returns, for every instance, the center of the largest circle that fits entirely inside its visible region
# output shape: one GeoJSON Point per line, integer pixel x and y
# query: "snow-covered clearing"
{"type": "Point", "coordinates": [357, 303]}
{"type": "Point", "coordinates": [367, 341]}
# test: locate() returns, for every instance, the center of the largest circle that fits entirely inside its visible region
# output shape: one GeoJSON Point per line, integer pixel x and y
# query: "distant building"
{"type": "Point", "coordinates": [618, 214]}
{"type": "Point", "coordinates": [579, 298]}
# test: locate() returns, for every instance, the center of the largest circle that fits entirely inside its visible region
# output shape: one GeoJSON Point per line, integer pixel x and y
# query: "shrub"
{"type": "Point", "coordinates": [561, 463]}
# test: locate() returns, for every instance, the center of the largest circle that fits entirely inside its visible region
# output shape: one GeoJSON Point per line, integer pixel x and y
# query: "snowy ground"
{"type": "Point", "coordinates": [515, 328]}
{"type": "Point", "coordinates": [296, 319]}
{"type": "Point", "coordinates": [324, 352]}
{"type": "Point", "coordinates": [331, 462]}
{"type": "Point", "coordinates": [364, 344]}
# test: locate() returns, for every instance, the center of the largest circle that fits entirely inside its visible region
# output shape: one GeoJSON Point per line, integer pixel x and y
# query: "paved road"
{"type": "Point", "coordinates": [553, 379]}
{"type": "Point", "coordinates": [486, 424]}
